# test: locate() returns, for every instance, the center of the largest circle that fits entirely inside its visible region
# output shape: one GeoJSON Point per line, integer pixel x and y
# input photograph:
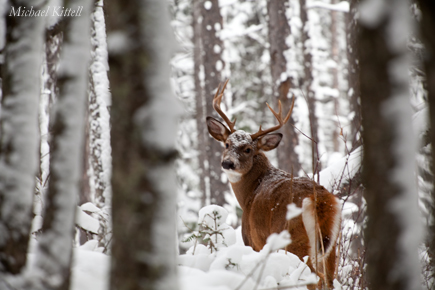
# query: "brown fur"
{"type": "Point", "coordinates": [264, 192]}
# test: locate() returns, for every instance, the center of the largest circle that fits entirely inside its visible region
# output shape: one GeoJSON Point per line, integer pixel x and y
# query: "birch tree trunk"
{"type": "Point", "coordinates": [393, 230]}
{"type": "Point", "coordinates": [212, 48]}
{"type": "Point", "coordinates": [144, 115]}
{"type": "Point", "coordinates": [279, 30]}
{"type": "Point", "coordinates": [19, 134]}
{"type": "Point", "coordinates": [427, 24]}
{"type": "Point", "coordinates": [54, 251]}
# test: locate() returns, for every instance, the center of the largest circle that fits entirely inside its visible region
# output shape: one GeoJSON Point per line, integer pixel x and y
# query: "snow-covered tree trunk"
{"type": "Point", "coordinates": [53, 257]}
{"type": "Point", "coordinates": [198, 72]}
{"type": "Point", "coordinates": [279, 30]}
{"type": "Point", "coordinates": [393, 231]}
{"type": "Point", "coordinates": [427, 24]}
{"type": "Point", "coordinates": [99, 119]}
{"type": "Point", "coordinates": [19, 134]}
{"type": "Point", "coordinates": [306, 87]}
{"type": "Point", "coordinates": [212, 47]}
{"type": "Point", "coordinates": [144, 118]}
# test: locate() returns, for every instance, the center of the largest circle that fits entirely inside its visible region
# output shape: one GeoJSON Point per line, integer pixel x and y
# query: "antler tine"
{"type": "Point", "coordinates": [217, 106]}
{"type": "Point", "coordinates": [278, 116]}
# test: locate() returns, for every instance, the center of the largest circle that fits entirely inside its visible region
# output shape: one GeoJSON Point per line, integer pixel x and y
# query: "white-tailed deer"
{"type": "Point", "coordinates": [264, 192]}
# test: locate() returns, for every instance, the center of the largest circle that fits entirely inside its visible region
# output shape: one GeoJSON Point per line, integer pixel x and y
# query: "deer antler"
{"type": "Point", "coordinates": [278, 116]}
{"type": "Point", "coordinates": [217, 106]}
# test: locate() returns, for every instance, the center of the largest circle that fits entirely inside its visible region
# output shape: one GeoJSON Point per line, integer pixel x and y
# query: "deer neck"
{"type": "Point", "coordinates": [245, 187]}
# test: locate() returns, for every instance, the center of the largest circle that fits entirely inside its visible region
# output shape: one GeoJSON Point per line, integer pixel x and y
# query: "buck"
{"type": "Point", "coordinates": [264, 192]}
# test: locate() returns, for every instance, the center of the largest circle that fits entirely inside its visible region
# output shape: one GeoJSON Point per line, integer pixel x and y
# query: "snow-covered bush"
{"type": "Point", "coordinates": [225, 263]}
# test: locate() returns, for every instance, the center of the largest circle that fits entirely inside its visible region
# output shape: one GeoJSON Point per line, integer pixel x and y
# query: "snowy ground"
{"type": "Point", "coordinates": [224, 263]}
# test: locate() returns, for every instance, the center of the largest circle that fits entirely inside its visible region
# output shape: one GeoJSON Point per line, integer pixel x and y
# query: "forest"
{"type": "Point", "coordinates": [112, 175]}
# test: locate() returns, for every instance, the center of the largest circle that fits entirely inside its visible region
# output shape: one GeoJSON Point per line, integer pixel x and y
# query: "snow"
{"type": "Point", "coordinates": [90, 270]}
{"type": "Point", "coordinates": [235, 266]}
{"type": "Point", "coordinates": [342, 6]}
{"type": "Point", "coordinates": [207, 5]}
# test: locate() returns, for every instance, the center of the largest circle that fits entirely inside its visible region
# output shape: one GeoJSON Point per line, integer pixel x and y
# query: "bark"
{"type": "Point", "coordinates": [143, 138]}
{"type": "Point", "coordinates": [19, 134]}
{"type": "Point", "coordinates": [335, 53]}
{"type": "Point", "coordinates": [353, 74]}
{"type": "Point", "coordinates": [199, 100]}
{"type": "Point", "coordinates": [99, 119]}
{"type": "Point", "coordinates": [212, 61]}
{"type": "Point", "coordinates": [393, 228]}
{"type": "Point", "coordinates": [53, 257]}
{"type": "Point", "coordinates": [279, 30]}
{"type": "Point", "coordinates": [427, 23]}
{"type": "Point", "coordinates": [306, 87]}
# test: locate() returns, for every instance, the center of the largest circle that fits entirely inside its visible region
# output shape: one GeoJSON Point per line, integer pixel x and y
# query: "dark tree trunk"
{"type": "Point", "coordinates": [213, 64]}
{"type": "Point", "coordinates": [279, 30]}
{"type": "Point", "coordinates": [143, 118]}
{"type": "Point", "coordinates": [306, 88]}
{"type": "Point", "coordinates": [19, 135]}
{"type": "Point", "coordinates": [353, 74]}
{"type": "Point", "coordinates": [427, 25]}
{"type": "Point", "coordinates": [388, 162]}
{"type": "Point", "coordinates": [199, 104]}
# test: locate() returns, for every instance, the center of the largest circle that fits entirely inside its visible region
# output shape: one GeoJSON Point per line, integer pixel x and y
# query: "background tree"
{"type": "Point", "coordinates": [198, 75]}
{"type": "Point", "coordinates": [212, 48]}
{"type": "Point", "coordinates": [393, 228]}
{"type": "Point", "coordinates": [18, 135]}
{"type": "Point", "coordinates": [144, 117]}
{"type": "Point", "coordinates": [427, 24]}
{"type": "Point", "coordinates": [306, 86]}
{"type": "Point", "coordinates": [279, 30]}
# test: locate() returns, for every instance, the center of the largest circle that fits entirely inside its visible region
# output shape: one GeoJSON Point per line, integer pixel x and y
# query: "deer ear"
{"type": "Point", "coordinates": [217, 130]}
{"type": "Point", "coordinates": [269, 141]}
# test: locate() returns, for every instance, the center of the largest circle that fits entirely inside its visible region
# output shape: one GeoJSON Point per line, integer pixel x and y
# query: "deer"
{"type": "Point", "coordinates": [264, 191]}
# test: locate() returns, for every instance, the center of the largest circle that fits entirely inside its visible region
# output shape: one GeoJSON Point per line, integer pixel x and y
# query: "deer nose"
{"type": "Point", "coordinates": [227, 164]}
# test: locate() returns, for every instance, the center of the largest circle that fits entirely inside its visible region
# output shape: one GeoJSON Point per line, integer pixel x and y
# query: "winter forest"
{"type": "Point", "coordinates": [139, 145]}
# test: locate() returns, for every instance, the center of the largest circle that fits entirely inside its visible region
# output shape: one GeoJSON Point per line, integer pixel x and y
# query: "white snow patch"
{"type": "Point", "coordinates": [208, 5]}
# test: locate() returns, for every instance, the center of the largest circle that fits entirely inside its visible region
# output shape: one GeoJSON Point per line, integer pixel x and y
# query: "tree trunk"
{"type": "Point", "coordinates": [427, 24]}
{"type": "Point", "coordinates": [354, 93]}
{"type": "Point", "coordinates": [212, 48]}
{"type": "Point", "coordinates": [143, 143]}
{"type": "Point", "coordinates": [54, 252]}
{"type": "Point", "coordinates": [306, 88]}
{"type": "Point", "coordinates": [19, 135]}
{"type": "Point", "coordinates": [393, 230]}
{"type": "Point", "coordinates": [279, 30]}
{"type": "Point", "coordinates": [99, 119]}
{"type": "Point", "coordinates": [202, 134]}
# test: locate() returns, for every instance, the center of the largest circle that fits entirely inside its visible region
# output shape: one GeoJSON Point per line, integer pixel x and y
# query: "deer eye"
{"type": "Point", "coordinates": [248, 150]}
{"type": "Point", "coordinates": [227, 145]}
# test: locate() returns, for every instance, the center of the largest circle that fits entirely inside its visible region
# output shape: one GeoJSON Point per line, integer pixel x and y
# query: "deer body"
{"type": "Point", "coordinates": [264, 192]}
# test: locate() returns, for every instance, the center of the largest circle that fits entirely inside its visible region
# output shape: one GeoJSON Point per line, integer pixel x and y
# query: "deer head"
{"type": "Point", "coordinates": [241, 147]}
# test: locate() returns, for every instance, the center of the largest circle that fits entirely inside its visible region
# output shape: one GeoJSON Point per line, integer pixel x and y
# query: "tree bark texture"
{"type": "Point", "coordinates": [199, 99]}
{"type": "Point", "coordinates": [427, 24]}
{"type": "Point", "coordinates": [306, 87]}
{"type": "Point", "coordinates": [352, 31]}
{"type": "Point", "coordinates": [212, 47]}
{"type": "Point", "coordinates": [19, 134]}
{"type": "Point", "coordinates": [279, 30]}
{"type": "Point", "coordinates": [54, 252]}
{"type": "Point", "coordinates": [143, 138]}
{"type": "Point", "coordinates": [392, 232]}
